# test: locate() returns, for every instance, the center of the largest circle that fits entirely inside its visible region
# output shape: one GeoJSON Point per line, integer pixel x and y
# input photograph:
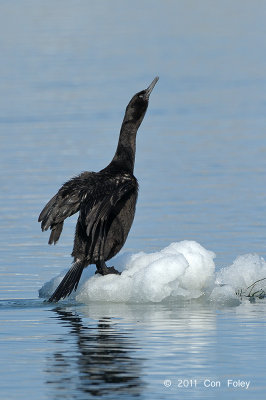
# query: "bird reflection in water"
{"type": "Point", "coordinates": [95, 360]}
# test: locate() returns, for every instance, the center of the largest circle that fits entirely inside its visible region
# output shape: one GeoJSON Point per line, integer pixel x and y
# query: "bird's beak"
{"type": "Point", "coordinates": [150, 88]}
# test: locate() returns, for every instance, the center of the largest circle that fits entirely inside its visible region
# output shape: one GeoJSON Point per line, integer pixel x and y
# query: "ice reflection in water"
{"type": "Point", "coordinates": [119, 349]}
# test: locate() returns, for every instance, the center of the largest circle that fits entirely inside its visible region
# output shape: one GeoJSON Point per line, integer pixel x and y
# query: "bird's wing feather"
{"type": "Point", "coordinates": [64, 204]}
{"type": "Point", "coordinates": [97, 213]}
{"type": "Point", "coordinates": [95, 195]}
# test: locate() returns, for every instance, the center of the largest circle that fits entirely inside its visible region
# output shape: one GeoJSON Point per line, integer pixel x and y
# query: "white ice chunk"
{"type": "Point", "coordinates": [245, 271]}
{"type": "Point", "coordinates": [181, 269]}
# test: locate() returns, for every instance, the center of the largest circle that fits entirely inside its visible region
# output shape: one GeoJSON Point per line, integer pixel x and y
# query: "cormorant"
{"type": "Point", "coordinates": [106, 201]}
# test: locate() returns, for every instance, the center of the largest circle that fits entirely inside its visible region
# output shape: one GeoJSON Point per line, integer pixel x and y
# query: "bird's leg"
{"type": "Point", "coordinates": [101, 266]}
{"type": "Point", "coordinates": [104, 270]}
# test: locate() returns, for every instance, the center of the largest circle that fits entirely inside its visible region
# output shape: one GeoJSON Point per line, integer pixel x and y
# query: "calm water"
{"type": "Point", "coordinates": [67, 71]}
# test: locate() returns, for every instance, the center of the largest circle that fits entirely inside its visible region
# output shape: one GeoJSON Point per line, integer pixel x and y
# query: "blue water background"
{"type": "Point", "coordinates": [67, 71]}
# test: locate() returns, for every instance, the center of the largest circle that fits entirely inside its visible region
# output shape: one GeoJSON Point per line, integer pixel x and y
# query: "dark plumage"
{"type": "Point", "coordinates": [106, 202]}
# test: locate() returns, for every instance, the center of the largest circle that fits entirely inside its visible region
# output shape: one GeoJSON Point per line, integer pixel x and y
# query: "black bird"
{"type": "Point", "coordinates": [106, 201]}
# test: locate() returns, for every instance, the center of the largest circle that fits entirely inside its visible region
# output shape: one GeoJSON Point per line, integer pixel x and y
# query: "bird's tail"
{"type": "Point", "coordinates": [69, 283]}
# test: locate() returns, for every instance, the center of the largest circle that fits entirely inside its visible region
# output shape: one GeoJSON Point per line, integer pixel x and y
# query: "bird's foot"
{"type": "Point", "coordinates": [112, 270]}
{"type": "Point", "coordinates": [104, 270]}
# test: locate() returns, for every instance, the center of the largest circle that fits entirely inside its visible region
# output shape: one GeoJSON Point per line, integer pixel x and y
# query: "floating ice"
{"type": "Point", "coordinates": [183, 270]}
{"type": "Point", "coordinates": [245, 270]}
{"type": "Point", "coordinates": [244, 276]}
{"type": "Point", "coordinates": [224, 294]}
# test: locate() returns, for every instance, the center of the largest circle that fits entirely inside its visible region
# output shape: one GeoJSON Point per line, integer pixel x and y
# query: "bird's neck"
{"type": "Point", "coordinates": [124, 158]}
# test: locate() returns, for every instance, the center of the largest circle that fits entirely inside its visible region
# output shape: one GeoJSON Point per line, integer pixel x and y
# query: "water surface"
{"type": "Point", "coordinates": [67, 72]}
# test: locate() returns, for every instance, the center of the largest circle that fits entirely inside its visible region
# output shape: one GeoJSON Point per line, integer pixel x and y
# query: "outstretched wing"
{"type": "Point", "coordinates": [64, 204]}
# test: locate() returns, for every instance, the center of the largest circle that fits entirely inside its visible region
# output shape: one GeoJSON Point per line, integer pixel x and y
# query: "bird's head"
{"type": "Point", "coordinates": [138, 105]}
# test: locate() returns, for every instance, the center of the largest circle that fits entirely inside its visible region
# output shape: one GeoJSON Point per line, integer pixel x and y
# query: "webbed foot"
{"type": "Point", "coordinates": [104, 270]}
{"type": "Point", "coordinates": [112, 270]}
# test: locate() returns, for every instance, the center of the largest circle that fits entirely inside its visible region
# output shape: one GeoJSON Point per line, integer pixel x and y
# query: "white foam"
{"type": "Point", "coordinates": [183, 270]}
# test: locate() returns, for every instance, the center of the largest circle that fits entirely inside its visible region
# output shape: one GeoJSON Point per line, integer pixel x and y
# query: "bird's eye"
{"type": "Point", "coordinates": [141, 96]}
